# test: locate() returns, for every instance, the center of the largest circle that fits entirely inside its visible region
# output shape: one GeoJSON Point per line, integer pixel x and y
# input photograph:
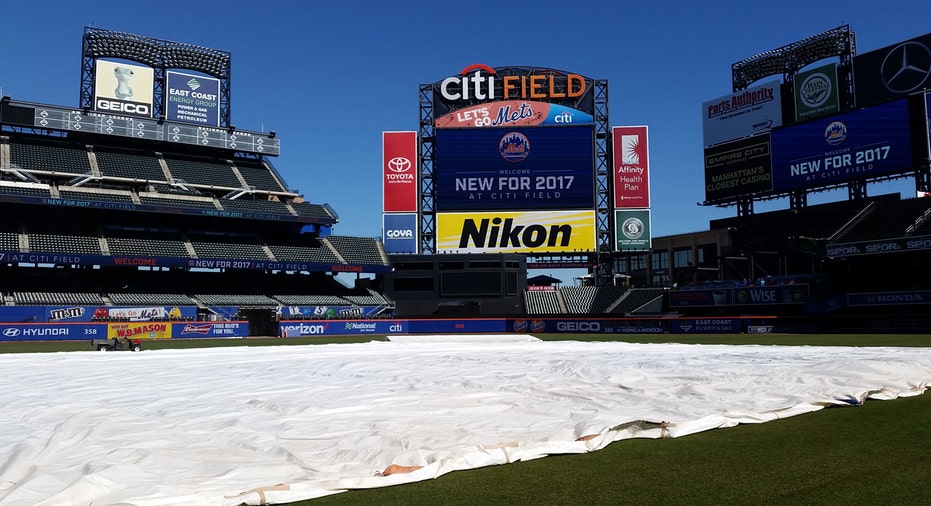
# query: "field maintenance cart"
{"type": "Point", "coordinates": [117, 344]}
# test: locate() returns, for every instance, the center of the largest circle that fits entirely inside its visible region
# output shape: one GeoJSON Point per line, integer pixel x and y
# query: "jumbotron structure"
{"type": "Point", "coordinates": [517, 160]}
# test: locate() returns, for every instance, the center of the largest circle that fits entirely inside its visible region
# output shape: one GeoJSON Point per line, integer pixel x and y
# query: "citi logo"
{"type": "Point", "coordinates": [474, 86]}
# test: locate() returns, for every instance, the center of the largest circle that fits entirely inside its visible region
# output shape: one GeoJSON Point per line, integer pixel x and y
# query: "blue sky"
{"type": "Point", "coordinates": [329, 77]}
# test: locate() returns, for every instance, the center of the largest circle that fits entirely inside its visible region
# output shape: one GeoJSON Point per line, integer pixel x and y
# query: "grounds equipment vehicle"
{"type": "Point", "coordinates": [117, 344]}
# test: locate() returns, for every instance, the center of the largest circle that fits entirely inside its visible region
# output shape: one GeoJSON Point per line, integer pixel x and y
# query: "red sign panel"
{"type": "Point", "coordinates": [631, 167]}
{"type": "Point", "coordinates": [399, 171]}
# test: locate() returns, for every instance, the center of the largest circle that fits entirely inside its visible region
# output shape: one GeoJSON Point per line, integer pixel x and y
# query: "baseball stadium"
{"type": "Point", "coordinates": [143, 219]}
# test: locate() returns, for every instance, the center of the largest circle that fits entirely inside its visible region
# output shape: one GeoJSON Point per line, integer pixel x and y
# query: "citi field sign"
{"type": "Point", "coordinates": [479, 82]}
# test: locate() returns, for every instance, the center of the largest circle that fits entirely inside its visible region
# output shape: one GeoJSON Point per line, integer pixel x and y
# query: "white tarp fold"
{"type": "Point", "coordinates": [272, 424]}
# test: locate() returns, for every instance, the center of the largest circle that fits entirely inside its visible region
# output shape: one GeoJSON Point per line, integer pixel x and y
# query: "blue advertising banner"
{"type": "Point", "coordinates": [342, 328]}
{"type": "Point", "coordinates": [81, 331]}
{"type": "Point", "coordinates": [161, 209]}
{"type": "Point", "coordinates": [202, 263]}
{"type": "Point", "coordinates": [706, 326]}
{"type": "Point", "coordinates": [192, 99]}
{"type": "Point", "coordinates": [75, 314]}
{"type": "Point", "coordinates": [693, 297]}
{"type": "Point", "coordinates": [335, 312]}
{"type": "Point", "coordinates": [128, 313]}
{"type": "Point", "coordinates": [777, 294]}
{"type": "Point", "coordinates": [400, 232]}
{"type": "Point", "coordinates": [582, 326]}
{"type": "Point", "coordinates": [52, 331]}
{"type": "Point", "coordinates": [456, 326]}
{"type": "Point", "coordinates": [194, 330]}
{"type": "Point", "coordinates": [514, 168]}
{"type": "Point", "coordinates": [889, 298]}
{"type": "Point", "coordinates": [861, 144]}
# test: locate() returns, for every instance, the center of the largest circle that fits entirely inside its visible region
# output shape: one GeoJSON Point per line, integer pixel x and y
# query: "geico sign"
{"type": "Point", "coordinates": [578, 326]}
{"type": "Point", "coordinates": [472, 84]}
{"type": "Point", "coordinates": [399, 234]}
{"type": "Point", "coordinates": [124, 107]}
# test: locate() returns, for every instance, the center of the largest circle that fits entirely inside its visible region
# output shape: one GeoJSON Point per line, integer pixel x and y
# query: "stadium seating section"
{"type": "Point", "coordinates": [106, 197]}
{"type": "Point", "coordinates": [591, 300]}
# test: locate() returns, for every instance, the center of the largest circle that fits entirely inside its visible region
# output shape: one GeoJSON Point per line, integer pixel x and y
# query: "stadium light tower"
{"type": "Point", "coordinates": [161, 55]}
{"type": "Point", "coordinates": [788, 59]}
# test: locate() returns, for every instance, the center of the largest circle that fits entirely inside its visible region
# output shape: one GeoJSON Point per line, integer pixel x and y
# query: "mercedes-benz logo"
{"type": "Point", "coordinates": [906, 67]}
{"type": "Point", "coordinates": [399, 164]}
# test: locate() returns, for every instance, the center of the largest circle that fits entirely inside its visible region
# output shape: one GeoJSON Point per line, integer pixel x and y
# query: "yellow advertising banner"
{"type": "Point", "coordinates": [139, 330]}
{"type": "Point", "coordinates": [516, 232]}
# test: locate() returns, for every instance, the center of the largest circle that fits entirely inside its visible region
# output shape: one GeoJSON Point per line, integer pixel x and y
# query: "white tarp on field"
{"type": "Point", "coordinates": [222, 426]}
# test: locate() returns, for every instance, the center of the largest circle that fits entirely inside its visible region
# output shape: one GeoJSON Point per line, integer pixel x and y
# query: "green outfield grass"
{"type": "Point", "coordinates": [877, 453]}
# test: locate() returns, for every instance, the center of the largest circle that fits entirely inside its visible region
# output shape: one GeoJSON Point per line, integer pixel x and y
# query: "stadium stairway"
{"type": "Point", "coordinates": [563, 308]}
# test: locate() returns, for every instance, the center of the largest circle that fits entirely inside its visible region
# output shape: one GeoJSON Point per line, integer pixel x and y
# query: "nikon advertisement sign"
{"type": "Point", "coordinates": [516, 232]}
{"type": "Point", "coordinates": [816, 92]}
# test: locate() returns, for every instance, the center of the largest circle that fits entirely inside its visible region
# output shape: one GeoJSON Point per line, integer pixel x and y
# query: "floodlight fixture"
{"type": "Point", "coordinates": [788, 59]}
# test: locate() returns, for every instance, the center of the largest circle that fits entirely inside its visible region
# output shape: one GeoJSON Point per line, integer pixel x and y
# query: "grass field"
{"type": "Point", "coordinates": [877, 453]}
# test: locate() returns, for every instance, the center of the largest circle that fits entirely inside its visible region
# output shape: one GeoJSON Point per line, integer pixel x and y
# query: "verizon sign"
{"type": "Point", "coordinates": [631, 167]}
{"type": "Point", "coordinates": [399, 171]}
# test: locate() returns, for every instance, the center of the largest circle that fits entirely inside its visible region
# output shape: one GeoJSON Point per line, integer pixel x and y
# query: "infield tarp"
{"type": "Point", "coordinates": [223, 426]}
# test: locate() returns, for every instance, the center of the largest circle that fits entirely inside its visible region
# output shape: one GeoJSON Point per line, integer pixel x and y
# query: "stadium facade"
{"type": "Point", "coordinates": [144, 212]}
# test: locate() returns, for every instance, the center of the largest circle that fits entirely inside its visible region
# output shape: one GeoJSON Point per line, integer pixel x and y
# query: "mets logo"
{"type": "Point", "coordinates": [835, 133]}
{"type": "Point", "coordinates": [514, 147]}
{"type": "Point", "coordinates": [399, 164]}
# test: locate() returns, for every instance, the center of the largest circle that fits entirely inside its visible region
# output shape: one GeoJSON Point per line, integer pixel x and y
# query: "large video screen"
{"type": "Point", "coordinates": [862, 144]}
{"type": "Point", "coordinates": [514, 168]}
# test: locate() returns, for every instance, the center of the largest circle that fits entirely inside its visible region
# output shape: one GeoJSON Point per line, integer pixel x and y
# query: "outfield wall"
{"type": "Point", "coordinates": [77, 331]}
{"type": "Point", "coordinates": [136, 330]}
{"type": "Point", "coordinates": [720, 325]}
